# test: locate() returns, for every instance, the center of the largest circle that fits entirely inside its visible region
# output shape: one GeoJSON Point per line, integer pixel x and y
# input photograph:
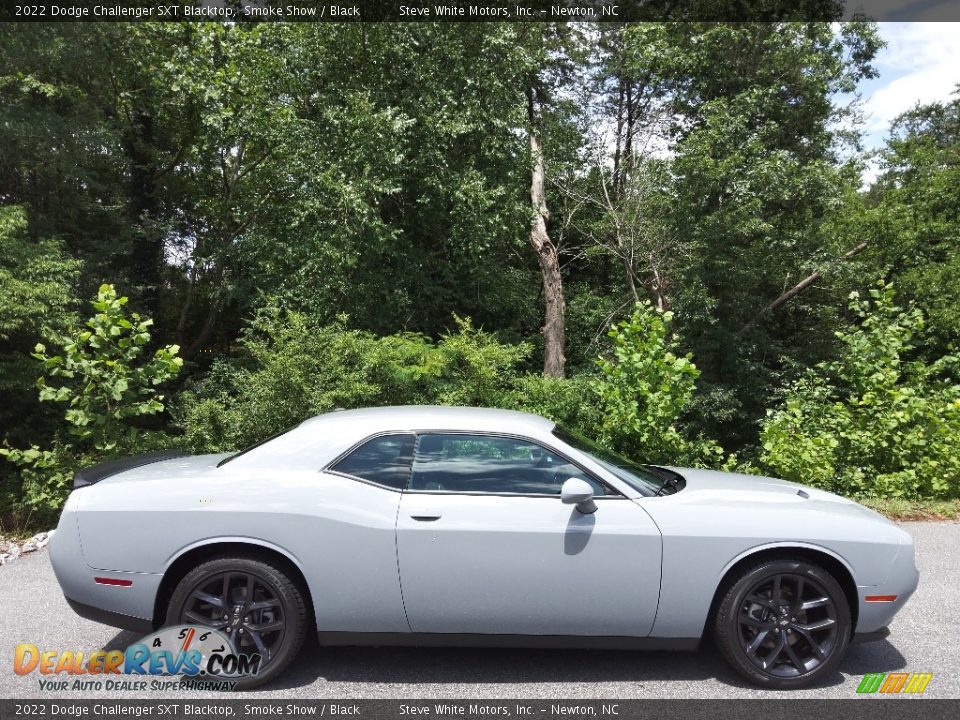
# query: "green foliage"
{"type": "Point", "coordinates": [292, 368]}
{"type": "Point", "coordinates": [913, 216]}
{"type": "Point", "coordinates": [644, 388]}
{"type": "Point", "coordinates": [570, 402]}
{"type": "Point", "coordinates": [872, 423]}
{"type": "Point", "coordinates": [476, 369]}
{"type": "Point", "coordinates": [107, 379]}
{"type": "Point", "coordinates": [756, 180]}
{"type": "Point", "coordinates": [108, 382]}
{"type": "Point", "coordinates": [37, 278]}
{"type": "Point", "coordinates": [224, 171]}
{"type": "Point", "coordinates": [43, 483]}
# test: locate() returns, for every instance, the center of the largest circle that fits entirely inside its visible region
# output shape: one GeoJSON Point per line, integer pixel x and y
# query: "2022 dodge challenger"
{"type": "Point", "coordinates": [466, 526]}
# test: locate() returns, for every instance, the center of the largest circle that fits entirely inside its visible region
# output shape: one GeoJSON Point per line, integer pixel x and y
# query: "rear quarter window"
{"type": "Point", "coordinates": [384, 460]}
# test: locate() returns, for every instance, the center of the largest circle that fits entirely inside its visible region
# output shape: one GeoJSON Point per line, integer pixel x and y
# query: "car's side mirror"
{"type": "Point", "coordinates": [578, 492]}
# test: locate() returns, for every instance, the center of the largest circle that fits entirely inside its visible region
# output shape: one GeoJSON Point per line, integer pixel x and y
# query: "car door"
{"type": "Point", "coordinates": [484, 545]}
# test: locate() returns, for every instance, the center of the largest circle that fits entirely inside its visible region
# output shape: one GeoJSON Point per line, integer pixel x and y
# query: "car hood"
{"type": "Point", "coordinates": [723, 488]}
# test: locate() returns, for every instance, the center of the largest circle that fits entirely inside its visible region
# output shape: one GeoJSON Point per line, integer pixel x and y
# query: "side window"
{"type": "Point", "coordinates": [384, 460]}
{"type": "Point", "coordinates": [489, 464]}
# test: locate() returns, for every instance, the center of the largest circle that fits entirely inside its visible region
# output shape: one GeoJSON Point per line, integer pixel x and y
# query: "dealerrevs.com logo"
{"type": "Point", "coordinates": [203, 657]}
{"type": "Point", "coordinates": [894, 683]}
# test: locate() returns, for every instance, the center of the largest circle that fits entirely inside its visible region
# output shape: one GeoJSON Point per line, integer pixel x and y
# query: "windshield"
{"type": "Point", "coordinates": [643, 478]}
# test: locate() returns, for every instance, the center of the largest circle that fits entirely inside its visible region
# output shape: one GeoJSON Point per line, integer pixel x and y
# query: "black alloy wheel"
{"type": "Point", "coordinates": [242, 605]}
{"type": "Point", "coordinates": [256, 605]}
{"type": "Point", "coordinates": [783, 624]}
{"type": "Point", "coordinates": [788, 625]}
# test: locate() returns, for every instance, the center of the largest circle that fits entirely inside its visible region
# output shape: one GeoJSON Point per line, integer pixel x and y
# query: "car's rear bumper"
{"type": "Point", "coordinates": [107, 593]}
{"type": "Point", "coordinates": [108, 617]}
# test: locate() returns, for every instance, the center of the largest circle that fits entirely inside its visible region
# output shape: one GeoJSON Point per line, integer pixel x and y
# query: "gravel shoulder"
{"type": "Point", "coordinates": [921, 640]}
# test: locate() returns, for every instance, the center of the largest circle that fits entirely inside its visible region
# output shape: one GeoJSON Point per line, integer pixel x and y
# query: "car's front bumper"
{"type": "Point", "coordinates": [878, 604]}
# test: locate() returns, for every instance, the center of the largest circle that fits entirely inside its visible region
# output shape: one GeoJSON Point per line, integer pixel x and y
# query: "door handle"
{"type": "Point", "coordinates": [423, 515]}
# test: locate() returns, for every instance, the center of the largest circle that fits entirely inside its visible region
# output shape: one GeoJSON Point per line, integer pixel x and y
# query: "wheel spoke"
{"type": "Point", "coordinates": [819, 602]}
{"type": "Point", "coordinates": [798, 598]}
{"type": "Point", "coordinates": [814, 645]}
{"type": "Point", "coordinates": [258, 641]}
{"type": "Point", "coordinates": [225, 591]}
{"type": "Point", "coordinates": [215, 623]}
{"type": "Point", "coordinates": [249, 590]}
{"type": "Point", "coordinates": [750, 620]}
{"type": "Point", "coordinates": [760, 600]}
{"type": "Point", "coordinates": [208, 598]}
{"type": "Point", "coordinates": [757, 641]}
{"type": "Point", "coordinates": [263, 605]}
{"type": "Point", "coordinates": [269, 626]}
{"type": "Point", "coordinates": [814, 626]}
{"type": "Point", "coordinates": [794, 660]}
{"type": "Point", "coordinates": [777, 588]}
{"type": "Point", "coordinates": [770, 660]}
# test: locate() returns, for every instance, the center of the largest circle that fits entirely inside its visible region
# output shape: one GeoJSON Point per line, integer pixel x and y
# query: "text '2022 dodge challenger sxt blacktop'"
{"type": "Point", "coordinates": [468, 526]}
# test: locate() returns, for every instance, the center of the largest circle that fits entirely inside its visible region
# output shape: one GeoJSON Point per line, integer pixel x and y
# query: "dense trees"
{"type": "Point", "coordinates": [913, 214]}
{"type": "Point", "coordinates": [756, 184]}
{"type": "Point", "coordinates": [873, 421]}
{"type": "Point", "coordinates": [311, 212]}
{"type": "Point", "coordinates": [107, 377]}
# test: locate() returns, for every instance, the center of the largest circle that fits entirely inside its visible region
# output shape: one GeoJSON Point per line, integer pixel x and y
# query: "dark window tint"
{"type": "Point", "coordinates": [481, 463]}
{"type": "Point", "coordinates": [384, 460]}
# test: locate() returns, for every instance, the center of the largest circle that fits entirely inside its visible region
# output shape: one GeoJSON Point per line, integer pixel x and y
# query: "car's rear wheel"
{"type": "Point", "coordinates": [783, 623]}
{"type": "Point", "coordinates": [258, 606]}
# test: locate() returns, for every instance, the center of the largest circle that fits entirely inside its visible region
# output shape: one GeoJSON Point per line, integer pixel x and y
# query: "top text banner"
{"type": "Point", "coordinates": [476, 10]}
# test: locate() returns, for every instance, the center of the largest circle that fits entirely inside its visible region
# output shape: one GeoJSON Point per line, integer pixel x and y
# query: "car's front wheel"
{"type": "Point", "coordinates": [783, 623]}
{"type": "Point", "coordinates": [258, 606]}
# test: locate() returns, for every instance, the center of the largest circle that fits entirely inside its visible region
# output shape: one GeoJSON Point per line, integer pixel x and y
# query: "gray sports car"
{"type": "Point", "coordinates": [466, 526]}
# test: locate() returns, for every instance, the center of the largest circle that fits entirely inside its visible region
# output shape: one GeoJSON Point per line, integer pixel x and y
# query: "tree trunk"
{"type": "Point", "coordinates": [185, 308]}
{"type": "Point", "coordinates": [628, 271]}
{"type": "Point", "coordinates": [554, 361]}
{"type": "Point", "coordinates": [658, 288]}
{"type": "Point", "coordinates": [205, 332]}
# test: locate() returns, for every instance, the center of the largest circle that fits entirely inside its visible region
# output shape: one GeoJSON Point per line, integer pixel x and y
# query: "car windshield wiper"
{"type": "Point", "coordinates": [670, 479]}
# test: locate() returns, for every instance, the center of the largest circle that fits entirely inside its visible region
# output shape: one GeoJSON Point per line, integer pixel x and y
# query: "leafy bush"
{"type": "Point", "coordinates": [644, 388]}
{"type": "Point", "coordinates": [292, 368]}
{"type": "Point", "coordinates": [570, 402]}
{"type": "Point", "coordinates": [37, 277]}
{"type": "Point", "coordinates": [872, 423]}
{"type": "Point", "coordinates": [476, 369]}
{"type": "Point", "coordinates": [106, 383]}
{"type": "Point", "coordinates": [43, 483]}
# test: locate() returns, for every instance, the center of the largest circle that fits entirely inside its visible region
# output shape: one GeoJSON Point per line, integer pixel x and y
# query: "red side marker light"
{"type": "Point", "coordinates": [118, 582]}
{"type": "Point", "coordinates": [880, 598]}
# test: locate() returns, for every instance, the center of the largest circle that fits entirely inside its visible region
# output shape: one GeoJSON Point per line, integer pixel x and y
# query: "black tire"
{"type": "Point", "coordinates": [272, 587]}
{"type": "Point", "coordinates": [783, 623]}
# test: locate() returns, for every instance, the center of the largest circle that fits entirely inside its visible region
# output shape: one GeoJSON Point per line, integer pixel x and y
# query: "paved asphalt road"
{"type": "Point", "coordinates": [924, 638]}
